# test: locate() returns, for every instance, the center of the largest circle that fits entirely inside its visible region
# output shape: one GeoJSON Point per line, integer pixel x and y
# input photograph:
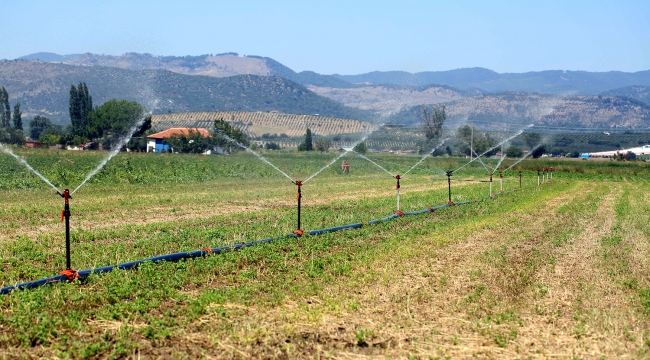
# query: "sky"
{"type": "Point", "coordinates": [347, 36]}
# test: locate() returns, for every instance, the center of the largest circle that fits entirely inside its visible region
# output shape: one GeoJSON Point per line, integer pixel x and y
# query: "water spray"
{"type": "Point", "coordinates": [551, 168]}
{"type": "Point", "coordinates": [24, 163]}
{"type": "Point", "coordinates": [426, 155]}
{"type": "Point", "coordinates": [538, 183]}
{"type": "Point", "coordinates": [494, 147]}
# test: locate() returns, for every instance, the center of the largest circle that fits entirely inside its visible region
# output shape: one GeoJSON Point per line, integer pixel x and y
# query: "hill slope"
{"type": "Point", "coordinates": [641, 93]}
{"type": "Point", "coordinates": [220, 65]}
{"type": "Point", "coordinates": [43, 88]}
{"type": "Point", "coordinates": [499, 111]}
{"type": "Point", "coordinates": [256, 124]}
{"type": "Point", "coordinates": [545, 82]}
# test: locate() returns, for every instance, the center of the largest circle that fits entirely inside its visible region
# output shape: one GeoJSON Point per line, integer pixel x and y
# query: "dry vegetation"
{"type": "Point", "coordinates": [386, 100]}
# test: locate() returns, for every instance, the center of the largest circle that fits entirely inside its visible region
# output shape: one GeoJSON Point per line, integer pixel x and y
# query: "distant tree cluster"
{"type": "Point", "coordinates": [223, 137]}
{"type": "Point", "coordinates": [481, 142]}
{"type": "Point", "coordinates": [432, 121]}
{"type": "Point", "coordinates": [10, 134]}
{"type": "Point", "coordinates": [307, 144]}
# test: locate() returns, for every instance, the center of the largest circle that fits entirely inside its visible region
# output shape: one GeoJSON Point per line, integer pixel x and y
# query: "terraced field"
{"type": "Point", "coordinates": [255, 124]}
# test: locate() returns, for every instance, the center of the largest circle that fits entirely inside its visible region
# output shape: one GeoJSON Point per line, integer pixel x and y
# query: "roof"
{"type": "Point", "coordinates": [178, 131]}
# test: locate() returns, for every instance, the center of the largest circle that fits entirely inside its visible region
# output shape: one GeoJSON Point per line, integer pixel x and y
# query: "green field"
{"type": "Point", "coordinates": [560, 270]}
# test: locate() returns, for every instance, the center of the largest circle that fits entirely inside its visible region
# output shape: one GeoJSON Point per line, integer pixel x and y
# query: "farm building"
{"type": "Point", "coordinates": [155, 141]}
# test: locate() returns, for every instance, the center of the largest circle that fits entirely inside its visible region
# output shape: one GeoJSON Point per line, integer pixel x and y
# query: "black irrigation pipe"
{"type": "Point", "coordinates": [82, 274]}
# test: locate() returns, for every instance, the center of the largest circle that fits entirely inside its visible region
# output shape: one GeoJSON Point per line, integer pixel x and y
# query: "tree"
{"type": "Point", "coordinates": [51, 135]}
{"type": "Point", "coordinates": [18, 120]}
{"type": "Point", "coordinates": [9, 135]}
{"type": "Point", "coordinates": [113, 120]}
{"type": "Point", "coordinates": [514, 152]}
{"type": "Point", "coordinates": [37, 125]}
{"type": "Point", "coordinates": [80, 108]}
{"type": "Point", "coordinates": [193, 142]}
{"type": "Point", "coordinates": [539, 151]}
{"type": "Point", "coordinates": [223, 135]}
{"type": "Point", "coordinates": [306, 145]}
{"type": "Point", "coordinates": [532, 140]}
{"type": "Point", "coordinates": [272, 146]}
{"type": "Point", "coordinates": [432, 121]}
{"type": "Point", "coordinates": [360, 148]}
{"type": "Point", "coordinates": [323, 144]}
{"type": "Point", "coordinates": [465, 133]}
{"type": "Point", "coordinates": [5, 109]}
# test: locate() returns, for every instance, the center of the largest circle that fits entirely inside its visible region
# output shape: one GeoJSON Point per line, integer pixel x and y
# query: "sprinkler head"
{"type": "Point", "coordinates": [65, 194]}
{"type": "Point", "coordinates": [449, 173]}
{"type": "Point", "coordinates": [397, 177]}
{"type": "Point", "coordinates": [298, 182]}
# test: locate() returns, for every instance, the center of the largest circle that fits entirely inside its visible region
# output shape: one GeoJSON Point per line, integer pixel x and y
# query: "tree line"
{"type": "Point", "coordinates": [11, 125]}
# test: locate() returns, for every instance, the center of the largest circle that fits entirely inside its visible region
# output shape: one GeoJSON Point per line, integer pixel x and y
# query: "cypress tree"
{"type": "Point", "coordinates": [75, 113]}
{"type": "Point", "coordinates": [309, 145]}
{"type": "Point", "coordinates": [18, 121]}
{"type": "Point", "coordinates": [6, 116]}
{"type": "Point", "coordinates": [3, 116]}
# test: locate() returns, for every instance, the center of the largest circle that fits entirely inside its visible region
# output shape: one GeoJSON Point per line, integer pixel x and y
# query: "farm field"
{"type": "Point", "coordinates": [556, 271]}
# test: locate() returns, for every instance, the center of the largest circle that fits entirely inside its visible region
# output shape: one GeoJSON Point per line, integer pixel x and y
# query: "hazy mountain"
{"type": "Point", "coordinates": [389, 99]}
{"type": "Point", "coordinates": [543, 82]}
{"type": "Point", "coordinates": [641, 93]}
{"type": "Point", "coordinates": [48, 57]}
{"type": "Point", "coordinates": [43, 89]}
{"type": "Point", "coordinates": [546, 112]}
{"type": "Point", "coordinates": [220, 65]}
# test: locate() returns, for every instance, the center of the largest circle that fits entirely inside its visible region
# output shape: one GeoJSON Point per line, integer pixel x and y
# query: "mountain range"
{"type": "Point", "coordinates": [253, 83]}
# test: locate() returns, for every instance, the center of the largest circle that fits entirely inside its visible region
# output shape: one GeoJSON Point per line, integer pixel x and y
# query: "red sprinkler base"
{"type": "Point", "coordinates": [399, 212]}
{"type": "Point", "coordinates": [299, 232]}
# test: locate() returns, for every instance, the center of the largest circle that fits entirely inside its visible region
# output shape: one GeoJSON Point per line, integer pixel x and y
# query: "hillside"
{"type": "Point", "coordinates": [220, 65]}
{"type": "Point", "coordinates": [641, 93]}
{"type": "Point", "coordinates": [256, 124]}
{"type": "Point", "coordinates": [543, 82]}
{"type": "Point", "coordinates": [499, 111]}
{"type": "Point", "coordinates": [43, 89]}
{"type": "Point", "coordinates": [386, 100]}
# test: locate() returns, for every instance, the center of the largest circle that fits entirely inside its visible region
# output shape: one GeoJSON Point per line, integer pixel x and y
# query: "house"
{"type": "Point", "coordinates": [34, 144]}
{"type": "Point", "coordinates": [155, 141]}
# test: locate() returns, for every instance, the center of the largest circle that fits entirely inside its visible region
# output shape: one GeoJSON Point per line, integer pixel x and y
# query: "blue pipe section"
{"type": "Point", "coordinates": [204, 252]}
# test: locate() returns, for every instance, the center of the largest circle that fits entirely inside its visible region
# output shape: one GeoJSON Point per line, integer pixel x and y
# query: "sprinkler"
{"type": "Point", "coordinates": [538, 177]}
{"type": "Point", "coordinates": [551, 169]}
{"type": "Point", "coordinates": [298, 197]}
{"type": "Point", "coordinates": [397, 187]}
{"type": "Point", "coordinates": [520, 179]}
{"type": "Point", "coordinates": [65, 215]}
{"type": "Point", "coordinates": [491, 184]}
{"type": "Point", "coordinates": [501, 180]}
{"type": "Point", "coordinates": [449, 174]}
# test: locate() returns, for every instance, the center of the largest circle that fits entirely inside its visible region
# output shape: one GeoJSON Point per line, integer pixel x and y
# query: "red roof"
{"type": "Point", "coordinates": [178, 131]}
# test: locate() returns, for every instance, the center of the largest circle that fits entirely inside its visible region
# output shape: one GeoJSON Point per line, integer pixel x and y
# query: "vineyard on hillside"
{"type": "Point", "coordinates": [256, 124]}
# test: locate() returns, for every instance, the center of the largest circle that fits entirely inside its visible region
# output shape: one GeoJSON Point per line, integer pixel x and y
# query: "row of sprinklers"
{"type": "Point", "coordinates": [66, 194]}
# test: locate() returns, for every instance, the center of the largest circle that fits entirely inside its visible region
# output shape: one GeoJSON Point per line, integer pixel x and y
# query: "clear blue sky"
{"type": "Point", "coordinates": [346, 37]}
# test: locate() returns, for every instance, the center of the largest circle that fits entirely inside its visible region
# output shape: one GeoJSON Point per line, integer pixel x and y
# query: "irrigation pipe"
{"type": "Point", "coordinates": [83, 274]}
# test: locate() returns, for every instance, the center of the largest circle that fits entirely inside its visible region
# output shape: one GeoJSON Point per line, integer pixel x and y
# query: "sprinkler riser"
{"type": "Point", "coordinates": [66, 216]}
